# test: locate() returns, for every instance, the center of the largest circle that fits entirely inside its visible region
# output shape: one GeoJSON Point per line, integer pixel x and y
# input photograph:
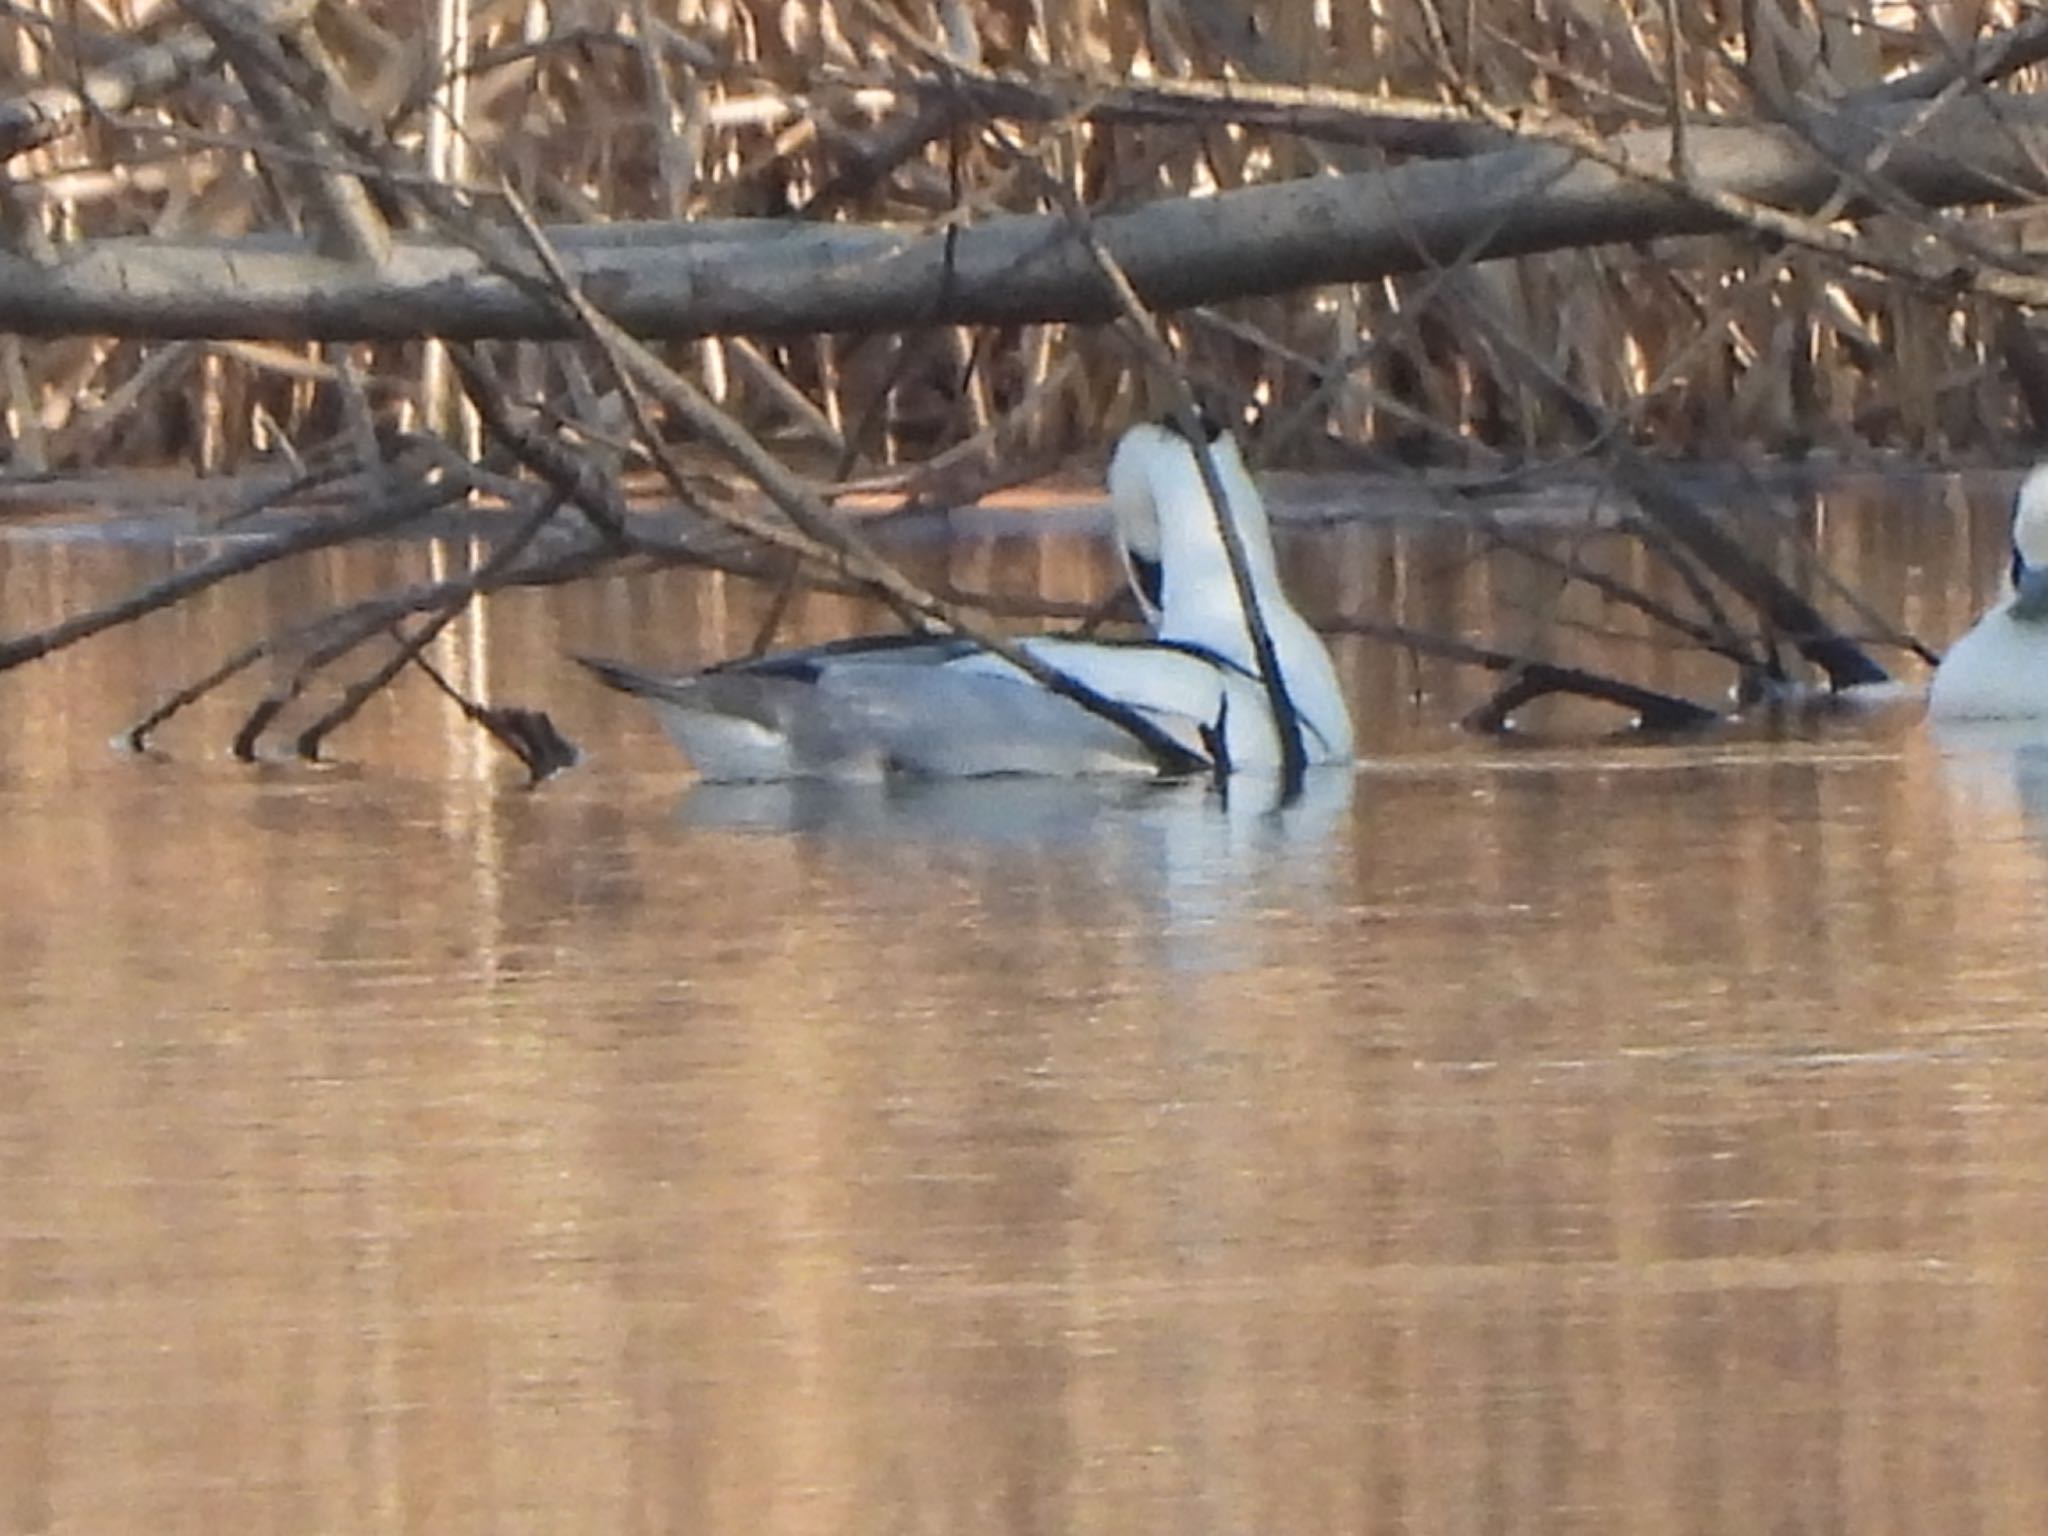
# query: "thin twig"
{"type": "Point", "coordinates": [465, 591]}
{"type": "Point", "coordinates": [409, 505]}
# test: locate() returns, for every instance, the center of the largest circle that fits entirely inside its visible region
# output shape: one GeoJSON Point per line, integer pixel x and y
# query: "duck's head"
{"type": "Point", "coordinates": [1153, 475]}
{"type": "Point", "coordinates": [1136, 469]}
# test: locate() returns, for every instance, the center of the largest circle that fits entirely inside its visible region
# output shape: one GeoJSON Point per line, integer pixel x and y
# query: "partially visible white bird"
{"type": "Point", "coordinates": [866, 707]}
{"type": "Point", "coordinates": [1999, 669]}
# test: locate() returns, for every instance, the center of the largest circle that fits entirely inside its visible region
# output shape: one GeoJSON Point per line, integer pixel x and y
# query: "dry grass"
{"type": "Point", "coordinates": [657, 109]}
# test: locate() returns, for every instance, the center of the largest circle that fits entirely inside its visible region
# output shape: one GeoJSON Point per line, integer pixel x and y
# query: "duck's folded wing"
{"type": "Point", "coordinates": [946, 710]}
{"type": "Point", "coordinates": [967, 720]}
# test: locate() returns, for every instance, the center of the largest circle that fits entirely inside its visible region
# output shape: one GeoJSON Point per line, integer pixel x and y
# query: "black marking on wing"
{"type": "Point", "coordinates": [806, 665]}
{"type": "Point", "coordinates": [798, 669]}
{"type": "Point", "coordinates": [1185, 647]}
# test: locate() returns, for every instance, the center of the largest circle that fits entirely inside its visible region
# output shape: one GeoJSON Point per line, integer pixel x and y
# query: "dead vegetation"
{"type": "Point", "coordinates": [932, 245]}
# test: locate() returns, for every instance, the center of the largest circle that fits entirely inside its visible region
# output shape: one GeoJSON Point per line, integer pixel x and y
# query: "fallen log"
{"type": "Point", "coordinates": [782, 277]}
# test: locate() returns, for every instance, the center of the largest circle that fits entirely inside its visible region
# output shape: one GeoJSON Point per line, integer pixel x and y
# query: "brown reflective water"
{"type": "Point", "coordinates": [1578, 1138]}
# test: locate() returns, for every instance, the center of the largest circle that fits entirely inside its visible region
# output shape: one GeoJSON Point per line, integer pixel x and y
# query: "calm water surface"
{"type": "Point", "coordinates": [1557, 1139]}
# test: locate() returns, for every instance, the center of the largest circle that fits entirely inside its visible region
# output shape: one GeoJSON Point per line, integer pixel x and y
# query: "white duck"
{"type": "Point", "coordinates": [943, 707]}
{"type": "Point", "coordinates": [1181, 573]}
{"type": "Point", "coordinates": [1999, 669]}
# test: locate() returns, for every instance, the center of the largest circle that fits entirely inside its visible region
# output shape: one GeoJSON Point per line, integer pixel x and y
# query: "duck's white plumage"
{"type": "Point", "coordinates": [1999, 669]}
{"type": "Point", "coordinates": [943, 707]}
{"type": "Point", "coordinates": [1156, 488]}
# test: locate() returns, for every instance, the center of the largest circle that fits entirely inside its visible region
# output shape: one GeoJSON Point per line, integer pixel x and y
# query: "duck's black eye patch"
{"type": "Point", "coordinates": [1150, 580]}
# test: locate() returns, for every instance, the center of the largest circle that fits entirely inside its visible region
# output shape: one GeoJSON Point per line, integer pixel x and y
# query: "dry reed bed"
{"type": "Point", "coordinates": [837, 110]}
